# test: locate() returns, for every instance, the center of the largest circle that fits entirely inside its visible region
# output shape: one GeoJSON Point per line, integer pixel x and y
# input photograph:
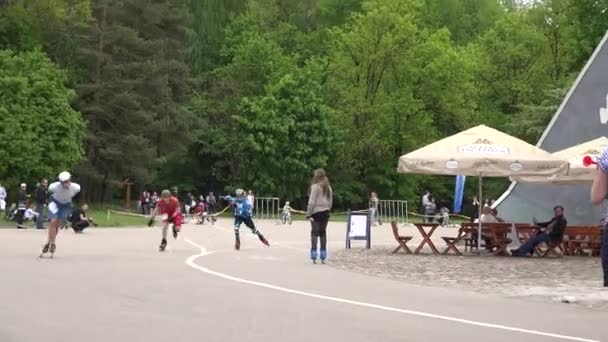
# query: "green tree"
{"type": "Point", "coordinates": [284, 135]}
{"type": "Point", "coordinates": [41, 133]}
{"type": "Point", "coordinates": [514, 65]}
{"type": "Point", "coordinates": [465, 19]}
{"type": "Point", "coordinates": [208, 20]}
{"type": "Point", "coordinates": [590, 23]}
{"type": "Point", "coordinates": [395, 87]}
{"type": "Point", "coordinates": [136, 92]}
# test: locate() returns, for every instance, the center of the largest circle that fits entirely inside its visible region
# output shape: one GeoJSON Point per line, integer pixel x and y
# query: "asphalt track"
{"type": "Point", "coordinates": [113, 285]}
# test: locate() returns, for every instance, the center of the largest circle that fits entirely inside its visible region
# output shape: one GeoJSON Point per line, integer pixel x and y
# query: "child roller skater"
{"type": "Point", "coordinates": [242, 214]}
{"type": "Point", "coordinates": [319, 205]}
{"type": "Point", "coordinates": [169, 208]}
{"type": "Point", "coordinates": [60, 205]}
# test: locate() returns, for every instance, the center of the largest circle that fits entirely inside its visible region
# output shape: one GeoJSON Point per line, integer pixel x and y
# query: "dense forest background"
{"type": "Point", "coordinates": [215, 94]}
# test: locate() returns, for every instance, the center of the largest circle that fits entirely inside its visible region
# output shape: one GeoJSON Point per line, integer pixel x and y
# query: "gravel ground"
{"type": "Point", "coordinates": [569, 279]}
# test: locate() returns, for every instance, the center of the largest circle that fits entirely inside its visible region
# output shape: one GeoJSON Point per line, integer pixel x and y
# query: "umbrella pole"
{"type": "Point", "coordinates": [480, 209]}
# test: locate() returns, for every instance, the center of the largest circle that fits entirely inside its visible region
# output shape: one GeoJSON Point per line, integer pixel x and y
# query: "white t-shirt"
{"type": "Point", "coordinates": [63, 195]}
{"type": "Point", "coordinates": [251, 200]}
{"type": "Point", "coordinates": [488, 218]}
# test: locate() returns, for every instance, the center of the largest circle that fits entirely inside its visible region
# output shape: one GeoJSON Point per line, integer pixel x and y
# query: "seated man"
{"type": "Point", "coordinates": [553, 232]}
{"type": "Point", "coordinates": [486, 217]}
{"type": "Point", "coordinates": [495, 214]}
{"type": "Point", "coordinates": [79, 219]}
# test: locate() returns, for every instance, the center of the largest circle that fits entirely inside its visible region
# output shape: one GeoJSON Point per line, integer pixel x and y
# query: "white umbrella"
{"type": "Point", "coordinates": [578, 172]}
{"type": "Point", "coordinates": [484, 152]}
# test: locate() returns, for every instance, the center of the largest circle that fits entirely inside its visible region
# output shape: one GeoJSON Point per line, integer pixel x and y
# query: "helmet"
{"type": "Point", "coordinates": [23, 185]}
{"type": "Point", "coordinates": [240, 192]}
{"type": "Point", "coordinates": [287, 203]}
{"type": "Point", "coordinates": [64, 176]}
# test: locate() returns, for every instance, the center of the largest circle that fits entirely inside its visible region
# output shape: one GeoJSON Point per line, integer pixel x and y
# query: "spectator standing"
{"type": "Point", "coordinates": [475, 209]}
{"type": "Point", "coordinates": [145, 200]}
{"type": "Point", "coordinates": [2, 198]}
{"type": "Point", "coordinates": [319, 205]}
{"type": "Point", "coordinates": [374, 203]}
{"type": "Point", "coordinates": [211, 201]}
{"type": "Point", "coordinates": [251, 200]}
{"type": "Point", "coordinates": [425, 202]}
{"type": "Point", "coordinates": [153, 201]}
{"type": "Point", "coordinates": [42, 193]}
{"type": "Point", "coordinates": [430, 209]}
{"type": "Point", "coordinates": [22, 204]}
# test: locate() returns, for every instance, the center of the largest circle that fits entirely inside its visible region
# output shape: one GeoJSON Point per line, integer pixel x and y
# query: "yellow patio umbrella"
{"type": "Point", "coordinates": [578, 173]}
{"type": "Point", "coordinates": [482, 151]}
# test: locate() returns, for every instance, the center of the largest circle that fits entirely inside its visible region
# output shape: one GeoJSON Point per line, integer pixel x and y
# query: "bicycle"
{"type": "Point", "coordinates": [286, 217]}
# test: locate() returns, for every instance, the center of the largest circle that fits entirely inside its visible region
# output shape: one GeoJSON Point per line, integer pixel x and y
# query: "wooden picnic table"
{"type": "Point", "coordinates": [497, 234]}
{"type": "Point", "coordinates": [426, 237]}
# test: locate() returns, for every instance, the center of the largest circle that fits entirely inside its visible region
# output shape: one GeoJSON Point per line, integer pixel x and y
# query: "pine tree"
{"type": "Point", "coordinates": [135, 100]}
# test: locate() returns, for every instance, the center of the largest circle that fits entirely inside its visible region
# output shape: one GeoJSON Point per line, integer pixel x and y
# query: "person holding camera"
{"type": "Point", "coordinates": [79, 219]}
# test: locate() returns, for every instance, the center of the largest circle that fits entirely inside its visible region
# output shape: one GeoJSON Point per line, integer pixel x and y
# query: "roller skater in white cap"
{"type": "Point", "coordinates": [60, 204]}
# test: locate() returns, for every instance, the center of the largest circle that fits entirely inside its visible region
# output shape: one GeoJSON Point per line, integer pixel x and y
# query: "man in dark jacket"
{"type": "Point", "coordinates": [79, 219]}
{"type": "Point", "coordinates": [551, 231]}
{"type": "Point", "coordinates": [41, 201]}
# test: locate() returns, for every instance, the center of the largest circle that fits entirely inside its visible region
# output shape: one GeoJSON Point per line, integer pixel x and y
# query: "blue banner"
{"type": "Point", "coordinates": [459, 193]}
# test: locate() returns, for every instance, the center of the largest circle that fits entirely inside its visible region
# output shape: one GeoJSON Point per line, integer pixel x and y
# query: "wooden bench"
{"type": "Point", "coordinates": [579, 239]}
{"type": "Point", "coordinates": [402, 240]}
{"type": "Point", "coordinates": [495, 236]}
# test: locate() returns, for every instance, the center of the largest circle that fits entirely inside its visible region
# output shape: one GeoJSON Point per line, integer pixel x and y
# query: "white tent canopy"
{"type": "Point", "coordinates": [578, 173]}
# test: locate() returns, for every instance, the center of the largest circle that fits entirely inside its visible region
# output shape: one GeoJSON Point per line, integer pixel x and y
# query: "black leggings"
{"type": "Point", "coordinates": [80, 225]}
{"type": "Point", "coordinates": [20, 216]}
{"type": "Point", "coordinates": [319, 230]}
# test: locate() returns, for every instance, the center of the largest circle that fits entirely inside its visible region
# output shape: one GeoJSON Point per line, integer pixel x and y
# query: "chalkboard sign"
{"type": "Point", "coordinates": [358, 227]}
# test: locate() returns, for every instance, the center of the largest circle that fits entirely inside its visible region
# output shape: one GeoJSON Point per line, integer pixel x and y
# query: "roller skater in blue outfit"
{"type": "Point", "coordinates": [242, 214]}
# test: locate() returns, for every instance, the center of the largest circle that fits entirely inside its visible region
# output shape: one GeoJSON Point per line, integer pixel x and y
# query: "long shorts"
{"type": "Point", "coordinates": [59, 211]}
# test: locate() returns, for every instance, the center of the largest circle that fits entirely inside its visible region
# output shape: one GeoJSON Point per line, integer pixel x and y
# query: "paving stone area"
{"type": "Point", "coordinates": [576, 280]}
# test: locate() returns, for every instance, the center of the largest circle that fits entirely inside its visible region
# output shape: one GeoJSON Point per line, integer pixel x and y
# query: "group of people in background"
{"type": "Point", "coordinates": [202, 209]}
{"type": "Point", "coordinates": [33, 206]}
{"type": "Point", "coordinates": [318, 212]}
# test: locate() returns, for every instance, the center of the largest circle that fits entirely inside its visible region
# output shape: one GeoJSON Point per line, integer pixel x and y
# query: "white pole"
{"type": "Point", "coordinates": [479, 213]}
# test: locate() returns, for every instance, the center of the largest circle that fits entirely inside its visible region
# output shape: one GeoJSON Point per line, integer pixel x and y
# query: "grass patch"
{"type": "Point", "coordinates": [99, 213]}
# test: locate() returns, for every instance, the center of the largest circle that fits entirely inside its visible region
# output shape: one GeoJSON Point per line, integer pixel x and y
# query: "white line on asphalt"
{"type": "Point", "coordinates": [203, 252]}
